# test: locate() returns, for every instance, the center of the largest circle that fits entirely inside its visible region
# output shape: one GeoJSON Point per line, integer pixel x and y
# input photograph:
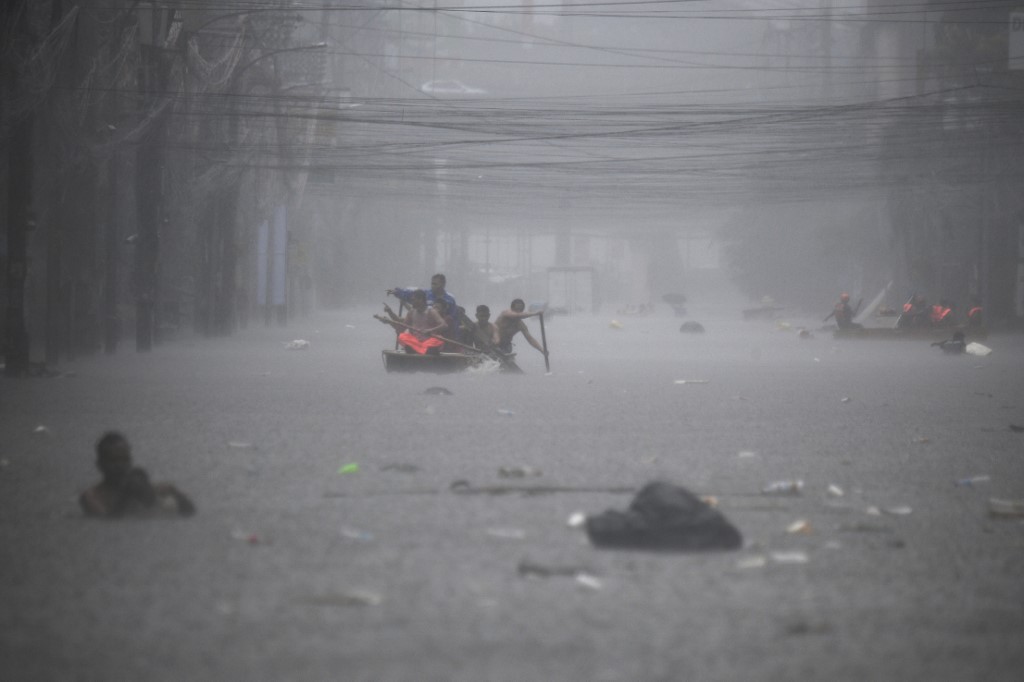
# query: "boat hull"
{"type": "Point", "coordinates": [911, 334]}
{"type": "Point", "coordinates": [441, 363]}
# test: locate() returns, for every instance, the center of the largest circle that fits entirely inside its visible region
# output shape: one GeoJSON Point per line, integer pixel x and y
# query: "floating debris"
{"type": "Point", "coordinates": [349, 598]}
{"type": "Point", "coordinates": [801, 526]}
{"type": "Point", "coordinates": [506, 413]}
{"type": "Point", "coordinates": [355, 534]}
{"type": "Point", "coordinates": [588, 581]}
{"type": "Point", "coordinates": [350, 468]}
{"type": "Point", "coordinates": [834, 491]}
{"type": "Point", "coordinates": [576, 519]}
{"type": "Point", "coordinates": [691, 327]}
{"type": "Point", "coordinates": [437, 390]}
{"type": "Point", "coordinates": [297, 344]}
{"type": "Point", "coordinates": [1005, 508]}
{"type": "Point", "coordinates": [518, 472]}
{"type": "Point", "coordinates": [663, 516]}
{"type": "Point", "coordinates": [528, 569]}
{"type": "Point", "coordinates": [795, 557]}
{"type": "Point", "coordinates": [752, 562]}
{"type": "Point", "coordinates": [971, 481]}
{"type": "Point", "coordinates": [977, 349]}
{"type": "Point", "coordinates": [241, 445]}
{"type": "Point", "coordinates": [784, 488]}
{"type": "Point", "coordinates": [248, 537]}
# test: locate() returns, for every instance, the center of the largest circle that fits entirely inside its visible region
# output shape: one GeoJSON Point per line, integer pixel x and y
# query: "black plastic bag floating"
{"type": "Point", "coordinates": [664, 517]}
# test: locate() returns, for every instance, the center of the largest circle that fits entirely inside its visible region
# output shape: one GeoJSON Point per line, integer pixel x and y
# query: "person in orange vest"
{"type": "Point", "coordinates": [941, 314]}
{"type": "Point", "coordinates": [915, 312]}
{"type": "Point", "coordinates": [844, 313]}
{"type": "Point", "coordinates": [975, 314]}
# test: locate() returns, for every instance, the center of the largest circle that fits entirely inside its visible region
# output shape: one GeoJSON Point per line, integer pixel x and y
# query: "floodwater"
{"type": "Point", "coordinates": [330, 544]}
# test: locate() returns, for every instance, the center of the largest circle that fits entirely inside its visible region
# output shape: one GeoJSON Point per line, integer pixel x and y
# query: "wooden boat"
{"type": "Point", "coordinates": [910, 333]}
{"type": "Point", "coordinates": [445, 363]}
{"type": "Point", "coordinates": [439, 363]}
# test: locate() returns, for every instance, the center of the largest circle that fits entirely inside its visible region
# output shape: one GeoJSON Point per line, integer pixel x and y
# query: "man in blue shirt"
{"type": "Point", "coordinates": [436, 291]}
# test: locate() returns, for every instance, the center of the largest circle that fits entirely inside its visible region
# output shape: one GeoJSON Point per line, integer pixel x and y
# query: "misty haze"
{"type": "Point", "coordinates": [345, 341]}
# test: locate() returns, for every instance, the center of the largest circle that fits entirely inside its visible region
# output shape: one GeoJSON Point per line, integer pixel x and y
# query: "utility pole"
{"type": "Point", "coordinates": [154, 27]}
{"type": "Point", "coordinates": [111, 228]}
{"type": "Point", "coordinates": [826, 47]}
{"type": "Point", "coordinates": [149, 175]}
{"type": "Point", "coordinates": [19, 220]}
{"type": "Point", "coordinates": [56, 337]}
{"type": "Point", "coordinates": [111, 242]}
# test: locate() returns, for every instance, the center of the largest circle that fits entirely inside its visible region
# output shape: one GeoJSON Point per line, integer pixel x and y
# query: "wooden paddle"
{"type": "Point", "coordinates": [544, 342]}
{"type": "Point", "coordinates": [400, 304]}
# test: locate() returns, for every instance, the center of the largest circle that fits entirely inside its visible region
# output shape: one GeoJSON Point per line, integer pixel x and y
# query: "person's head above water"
{"type": "Point", "coordinates": [113, 455]}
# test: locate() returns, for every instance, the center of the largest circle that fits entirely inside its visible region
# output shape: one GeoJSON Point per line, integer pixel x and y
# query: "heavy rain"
{"type": "Point", "coordinates": [642, 340]}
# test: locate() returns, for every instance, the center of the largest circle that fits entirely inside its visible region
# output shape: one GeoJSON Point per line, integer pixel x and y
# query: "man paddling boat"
{"type": "Point", "coordinates": [416, 332]}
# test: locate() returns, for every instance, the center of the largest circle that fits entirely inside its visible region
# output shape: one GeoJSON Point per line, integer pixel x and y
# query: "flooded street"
{"type": "Point", "coordinates": [330, 542]}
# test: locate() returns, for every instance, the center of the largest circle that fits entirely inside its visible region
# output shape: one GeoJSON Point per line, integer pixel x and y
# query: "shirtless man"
{"type": "Point", "coordinates": [420, 323]}
{"type": "Point", "coordinates": [451, 328]}
{"type": "Point", "coordinates": [126, 490]}
{"type": "Point", "coordinates": [481, 332]}
{"type": "Point", "coordinates": [509, 323]}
